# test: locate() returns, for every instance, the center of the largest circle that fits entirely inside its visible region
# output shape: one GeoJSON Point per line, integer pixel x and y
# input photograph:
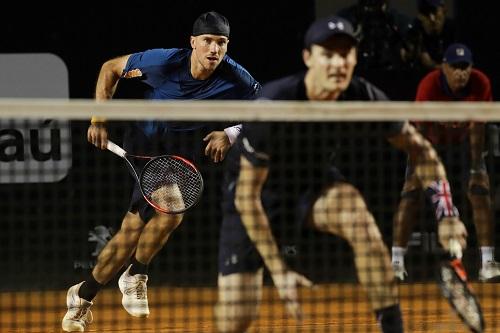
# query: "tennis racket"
{"type": "Point", "coordinates": [453, 284]}
{"type": "Point", "coordinates": [170, 184]}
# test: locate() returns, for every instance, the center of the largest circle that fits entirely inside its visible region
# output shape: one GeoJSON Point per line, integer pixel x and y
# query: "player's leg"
{"type": "Point", "coordinates": [341, 210]}
{"type": "Point", "coordinates": [155, 235]}
{"type": "Point", "coordinates": [109, 262]}
{"type": "Point", "coordinates": [133, 281]}
{"type": "Point", "coordinates": [404, 221]}
{"type": "Point", "coordinates": [240, 273]}
{"type": "Point", "coordinates": [479, 196]}
{"type": "Point", "coordinates": [159, 227]}
{"type": "Point", "coordinates": [240, 295]}
{"type": "Point", "coordinates": [118, 249]}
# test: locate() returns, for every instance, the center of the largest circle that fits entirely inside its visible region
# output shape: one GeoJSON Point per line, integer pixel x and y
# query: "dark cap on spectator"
{"type": "Point", "coordinates": [456, 53]}
{"type": "Point", "coordinates": [430, 3]}
{"type": "Point", "coordinates": [211, 23]}
{"type": "Point", "coordinates": [425, 6]}
{"type": "Point", "coordinates": [323, 29]}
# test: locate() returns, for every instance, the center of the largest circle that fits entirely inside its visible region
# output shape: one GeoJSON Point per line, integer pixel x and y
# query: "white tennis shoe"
{"type": "Point", "coordinates": [399, 270]}
{"type": "Point", "coordinates": [79, 314]}
{"type": "Point", "coordinates": [135, 293]}
{"type": "Point", "coordinates": [490, 272]}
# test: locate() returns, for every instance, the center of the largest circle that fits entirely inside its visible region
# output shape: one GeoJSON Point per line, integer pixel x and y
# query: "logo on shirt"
{"type": "Point", "coordinates": [132, 73]}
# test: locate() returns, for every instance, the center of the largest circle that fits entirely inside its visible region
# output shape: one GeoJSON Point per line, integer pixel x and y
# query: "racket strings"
{"type": "Point", "coordinates": [171, 184]}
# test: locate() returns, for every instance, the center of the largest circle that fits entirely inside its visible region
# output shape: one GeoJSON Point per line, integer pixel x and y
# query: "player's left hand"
{"type": "Point", "coordinates": [452, 228]}
{"type": "Point", "coordinates": [217, 146]}
{"type": "Point", "coordinates": [286, 283]}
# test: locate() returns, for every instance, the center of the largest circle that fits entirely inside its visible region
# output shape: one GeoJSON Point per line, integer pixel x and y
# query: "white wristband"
{"type": "Point", "coordinates": [232, 133]}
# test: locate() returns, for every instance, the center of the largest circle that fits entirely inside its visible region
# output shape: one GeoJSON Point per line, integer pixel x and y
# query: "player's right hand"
{"type": "Point", "coordinates": [286, 282]}
{"type": "Point", "coordinates": [452, 228]}
{"type": "Point", "coordinates": [97, 134]}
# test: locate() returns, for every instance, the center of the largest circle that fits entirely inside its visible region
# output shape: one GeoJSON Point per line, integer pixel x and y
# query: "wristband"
{"type": "Point", "coordinates": [233, 132]}
{"type": "Point", "coordinates": [440, 196]}
{"type": "Point", "coordinates": [97, 120]}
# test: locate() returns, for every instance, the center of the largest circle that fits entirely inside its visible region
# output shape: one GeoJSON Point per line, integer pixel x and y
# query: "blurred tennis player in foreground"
{"type": "Point", "coordinates": [202, 72]}
{"type": "Point", "coordinates": [282, 173]}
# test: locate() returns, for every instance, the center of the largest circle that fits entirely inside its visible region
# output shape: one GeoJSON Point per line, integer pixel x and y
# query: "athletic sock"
{"type": "Point", "coordinates": [390, 319]}
{"type": "Point", "coordinates": [398, 254]}
{"type": "Point", "coordinates": [89, 289]}
{"type": "Point", "coordinates": [487, 254]}
{"type": "Point", "coordinates": [138, 267]}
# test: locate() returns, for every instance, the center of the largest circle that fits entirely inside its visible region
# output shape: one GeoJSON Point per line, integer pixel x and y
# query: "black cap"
{"type": "Point", "coordinates": [429, 6]}
{"type": "Point", "coordinates": [211, 23]}
{"type": "Point", "coordinates": [323, 29]}
{"type": "Point", "coordinates": [457, 53]}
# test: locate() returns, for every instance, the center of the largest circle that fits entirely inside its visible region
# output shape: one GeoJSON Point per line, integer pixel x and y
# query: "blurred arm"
{"type": "Point", "coordinates": [249, 205]}
{"type": "Point", "coordinates": [432, 176]}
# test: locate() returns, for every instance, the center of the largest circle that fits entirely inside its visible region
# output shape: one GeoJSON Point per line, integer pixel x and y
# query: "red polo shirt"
{"type": "Point", "coordinates": [433, 87]}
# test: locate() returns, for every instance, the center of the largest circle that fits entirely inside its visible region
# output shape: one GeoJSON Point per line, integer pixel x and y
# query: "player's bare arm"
{"type": "Point", "coordinates": [111, 71]}
{"type": "Point", "coordinates": [249, 204]}
{"type": "Point", "coordinates": [109, 75]}
{"type": "Point", "coordinates": [428, 167]}
{"type": "Point", "coordinates": [432, 175]}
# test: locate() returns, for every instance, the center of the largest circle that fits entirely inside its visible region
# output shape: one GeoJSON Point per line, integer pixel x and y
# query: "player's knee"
{"type": "Point", "coordinates": [166, 222]}
{"type": "Point", "coordinates": [234, 318]}
{"type": "Point", "coordinates": [478, 190]}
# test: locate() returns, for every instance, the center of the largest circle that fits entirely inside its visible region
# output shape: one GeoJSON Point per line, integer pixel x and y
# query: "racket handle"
{"type": "Point", "coordinates": [116, 149]}
{"type": "Point", "coordinates": [455, 248]}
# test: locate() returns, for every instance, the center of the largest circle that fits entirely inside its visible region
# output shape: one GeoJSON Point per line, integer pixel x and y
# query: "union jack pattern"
{"type": "Point", "coordinates": [440, 196]}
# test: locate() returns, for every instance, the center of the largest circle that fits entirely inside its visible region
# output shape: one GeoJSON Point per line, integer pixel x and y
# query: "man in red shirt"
{"type": "Point", "coordinates": [461, 146]}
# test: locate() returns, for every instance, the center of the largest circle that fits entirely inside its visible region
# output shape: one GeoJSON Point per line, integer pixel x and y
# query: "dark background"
{"type": "Point", "coordinates": [44, 227]}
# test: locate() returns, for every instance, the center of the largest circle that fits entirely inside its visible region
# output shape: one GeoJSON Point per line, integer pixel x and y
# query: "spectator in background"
{"type": "Point", "coordinates": [431, 32]}
{"type": "Point", "coordinates": [460, 145]}
{"type": "Point", "coordinates": [380, 31]}
{"type": "Point", "coordinates": [383, 51]}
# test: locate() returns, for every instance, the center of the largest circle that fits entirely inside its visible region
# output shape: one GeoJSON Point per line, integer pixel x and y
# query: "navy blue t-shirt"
{"type": "Point", "coordinates": [300, 155]}
{"type": "Point", "coordinates": [168, 75]}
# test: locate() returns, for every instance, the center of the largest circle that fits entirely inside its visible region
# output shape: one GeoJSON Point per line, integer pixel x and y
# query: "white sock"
{"type": "Point", "coordinates": [398, 254]}
{"type": "Point", "coordinates": [487, 254]}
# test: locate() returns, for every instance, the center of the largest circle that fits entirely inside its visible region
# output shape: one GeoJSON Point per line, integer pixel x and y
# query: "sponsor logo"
{"type": "Point", "coordinates": [34, 151]}
{"type": "Point", "coordinates": [99, 237]}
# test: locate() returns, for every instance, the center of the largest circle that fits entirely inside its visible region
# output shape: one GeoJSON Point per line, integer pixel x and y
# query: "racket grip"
{"type": "Point", "coordinates": [455, 248]}
{"type": "Point", "coordinates": [116, 149]}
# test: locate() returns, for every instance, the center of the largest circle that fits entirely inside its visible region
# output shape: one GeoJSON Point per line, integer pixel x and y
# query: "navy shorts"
{"type": "Point", "coordinates": [188, 144]}
{"type": "Point", "coordinates": [237, 254]}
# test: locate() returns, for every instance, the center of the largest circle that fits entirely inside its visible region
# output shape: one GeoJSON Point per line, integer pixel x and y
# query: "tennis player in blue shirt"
{"type": "Point", "coordinates": [203, 71]}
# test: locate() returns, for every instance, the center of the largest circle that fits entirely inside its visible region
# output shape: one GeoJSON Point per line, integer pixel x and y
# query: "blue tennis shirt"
{"type": "Point", "coordinates": [167, 74]}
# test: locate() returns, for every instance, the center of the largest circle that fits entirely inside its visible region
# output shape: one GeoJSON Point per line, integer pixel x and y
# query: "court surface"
{"type": "Point", "coordinates": [327, 308]}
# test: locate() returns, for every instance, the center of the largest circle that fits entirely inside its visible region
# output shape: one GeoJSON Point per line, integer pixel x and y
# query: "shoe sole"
{"type": "Point", "coordinates": [71, 328]}
{"type": "Point", "coordinates": [495, 279]}
{"type": "Point", "coordinates": [140, 315]}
